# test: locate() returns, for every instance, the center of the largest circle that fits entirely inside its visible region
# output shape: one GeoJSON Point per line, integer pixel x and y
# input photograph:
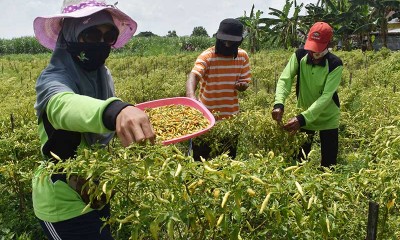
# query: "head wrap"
{"type": "Point", "coordinates": [64, 75]}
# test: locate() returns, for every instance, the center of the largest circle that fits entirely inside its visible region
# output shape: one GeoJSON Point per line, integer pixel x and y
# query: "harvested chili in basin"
{"type": "Point", "coordinates": [174, 121]}
{"type": "Point", "coordinates": [189, 119]}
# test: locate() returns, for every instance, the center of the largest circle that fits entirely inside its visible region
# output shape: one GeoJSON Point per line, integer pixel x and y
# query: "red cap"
{"type": "Point", "coordinates": [319, 36]}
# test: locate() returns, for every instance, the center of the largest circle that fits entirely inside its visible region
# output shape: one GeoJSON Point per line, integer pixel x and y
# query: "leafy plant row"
{"type": "Point", "coordinates": [161, 193]}
{"type": "Point", "coordinates": [139, 46]}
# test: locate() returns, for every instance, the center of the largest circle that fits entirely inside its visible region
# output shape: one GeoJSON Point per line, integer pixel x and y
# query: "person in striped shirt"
{"type": "Point", "coordinates": [220, 72]}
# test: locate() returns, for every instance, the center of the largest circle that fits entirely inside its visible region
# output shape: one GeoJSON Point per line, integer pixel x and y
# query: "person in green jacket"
{"type": "Point", "coordinates": [76, 107]}
{"type": "Point", "coordinates": [319, 73]}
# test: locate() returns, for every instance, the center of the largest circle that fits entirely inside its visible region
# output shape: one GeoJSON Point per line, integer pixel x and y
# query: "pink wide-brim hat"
{"type": "Point", "coordinates": [47, 28]}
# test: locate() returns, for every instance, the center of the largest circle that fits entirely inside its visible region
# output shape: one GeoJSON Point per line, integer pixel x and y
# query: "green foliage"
{"type": "Point", "coordinates": [199, 32]}
{"type": "Point", "coordinates": [146, 34]}
{"type": "Point", "coordinates": [172, 34]}
{"type": "Point", "coordinates": [354, 22]}
{"type": "Point", "coordinates": [163, 194]}
{"type": "Point", "coordinates": [19, 153]}
{"type": "Point", "coordinates": [143, 44]}
{"type": "Point", "coordinates": [253, 29]}
{"type": "Point", "coordinates": [27, 45]}
{"type": "Point", "coordinates": [282, 26]}
{"type": "Point", "coordinates": [150, 46]}
{"type": "Point", "coordinates": [153, 46]}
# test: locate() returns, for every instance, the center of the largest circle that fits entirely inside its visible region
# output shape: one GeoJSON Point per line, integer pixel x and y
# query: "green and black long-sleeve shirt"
{"type": "Point", "coordinates": [316, 89]}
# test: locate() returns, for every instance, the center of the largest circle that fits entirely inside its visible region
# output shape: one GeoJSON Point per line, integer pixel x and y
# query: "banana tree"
{"type": "Point", "coordinates": [255, 30]}
{"type": "Point", "coordinates": [361, 24]}
{"type": "Point", "coordinates": [326, 11]}
{"type": "Point", "coordinates": [379, 14]}
{"type": "Point", "coordinates": [325, 4]}
{"type": "Point", "coordinates": [349, 21]}
{"type": "Point", "coordinates": [283, 28]}
{"type": "Point", "coordinates": [345, 18]}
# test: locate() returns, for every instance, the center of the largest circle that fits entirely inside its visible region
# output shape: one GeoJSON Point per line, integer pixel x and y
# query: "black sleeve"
{"type": "Point", "coordinates": [111, 112]}
{"type": "Point", "coordinates": [301, 120]}
{"type": "Point", "coordinates": [279, 105]}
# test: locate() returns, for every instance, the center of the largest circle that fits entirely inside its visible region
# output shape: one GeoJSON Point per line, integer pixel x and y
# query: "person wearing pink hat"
{"type": "Point", "coordinates": [76, 107]}
{"type": "Point", "coordinates": [319, 73]}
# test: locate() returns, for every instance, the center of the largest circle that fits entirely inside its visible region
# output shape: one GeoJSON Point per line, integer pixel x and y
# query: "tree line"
{"type": "Point", "coordinates": [352, 20]}
{"type": "Point", "coordinates": [356, 23]}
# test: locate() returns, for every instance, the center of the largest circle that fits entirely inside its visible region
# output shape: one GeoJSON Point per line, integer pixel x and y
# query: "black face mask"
{"type": "Point", "coordinates": [220, 48]}
{"type": "Point", "coordinates": [89, 56]}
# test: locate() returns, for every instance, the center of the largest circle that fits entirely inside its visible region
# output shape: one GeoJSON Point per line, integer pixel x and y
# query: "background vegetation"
{"type": "Point", "coordinates": [156, 201]}
{"type": "Point", "coordinates": [357, 24]}
{"type": "Point", "coordinates": [263, 193]}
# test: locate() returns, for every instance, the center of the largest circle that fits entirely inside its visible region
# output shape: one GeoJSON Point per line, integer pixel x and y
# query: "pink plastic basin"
{"type": "Point", "coordinates": [181, 101]}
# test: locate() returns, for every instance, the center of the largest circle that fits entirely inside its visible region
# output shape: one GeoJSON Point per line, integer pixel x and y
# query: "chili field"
{"type": "Point", "coordinates": [161, 193]}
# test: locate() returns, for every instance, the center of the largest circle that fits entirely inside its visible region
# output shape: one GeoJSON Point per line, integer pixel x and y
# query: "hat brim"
{"type": "Point", "coordinates": [47, 28]}
{"type": "Point", "coordinates": [227, 37]}
{"type": "Point", "coordinates": [311, 45]}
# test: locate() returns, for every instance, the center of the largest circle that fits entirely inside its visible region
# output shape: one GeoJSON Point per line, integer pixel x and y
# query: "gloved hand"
{"type": "Point", "coordinates": [277, 114]}
{"type": "Point", "coordinates": [292, 126]}
{"type": "Point", "coordinates": [241, 86]}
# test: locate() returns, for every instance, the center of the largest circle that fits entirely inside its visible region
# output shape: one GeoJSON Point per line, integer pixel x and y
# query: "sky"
{"type": "Point", "coordinates": [156, 16]}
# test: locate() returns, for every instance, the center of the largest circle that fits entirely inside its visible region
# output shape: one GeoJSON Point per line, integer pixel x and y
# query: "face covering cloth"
{"type": "Point", "coordinates": [64, 75]}
{"type": "Point", "coordinates": [89, 56]}
{"type": "Point", "coordinates": [220, 48]}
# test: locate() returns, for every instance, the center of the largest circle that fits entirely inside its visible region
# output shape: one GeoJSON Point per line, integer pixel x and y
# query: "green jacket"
{"type": "Point", "coordinates": [316, 89]}
{"type": "Point", "coordinates": [67, 118]}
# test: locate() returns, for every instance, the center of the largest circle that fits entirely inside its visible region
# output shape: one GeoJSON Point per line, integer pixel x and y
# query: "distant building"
{"type": "Point", "coordinates": [393, 37]}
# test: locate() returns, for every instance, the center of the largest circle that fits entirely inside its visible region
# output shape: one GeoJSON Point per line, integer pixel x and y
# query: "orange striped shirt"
{"type": "Point", "coordinates": [218, 75]}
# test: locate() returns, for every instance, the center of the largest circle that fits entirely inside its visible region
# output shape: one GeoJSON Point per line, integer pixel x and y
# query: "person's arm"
{"type": "Point", "coordinates": [245, 76]}
{"type": "Point", "coordinates": [191, 85]}
{"type": "Point", "coordinates": [285, 81]}
{"type": "Point", "coordinates": [198, 72]}
{"type": "Point", "coordinates": [283, 87]}
{"type": "Point", "coordinates": [78, 113]}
